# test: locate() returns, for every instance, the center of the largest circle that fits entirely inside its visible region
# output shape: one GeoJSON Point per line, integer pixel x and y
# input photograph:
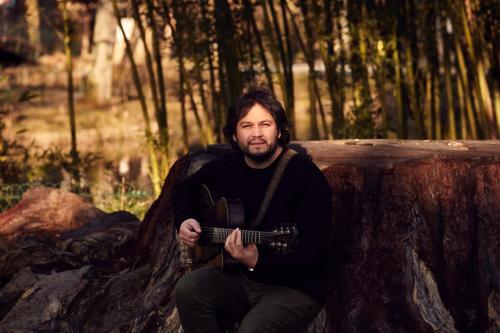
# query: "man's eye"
{"type": "Point", "coordinates": [246, 126]}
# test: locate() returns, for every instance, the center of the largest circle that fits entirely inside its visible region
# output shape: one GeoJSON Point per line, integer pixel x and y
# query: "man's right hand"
{"type": "Point", "coordinates": [189, 232]}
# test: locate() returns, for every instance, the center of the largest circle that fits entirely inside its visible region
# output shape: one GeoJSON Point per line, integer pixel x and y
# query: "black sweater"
{"type": "Point", "coordinates": [302, 198]}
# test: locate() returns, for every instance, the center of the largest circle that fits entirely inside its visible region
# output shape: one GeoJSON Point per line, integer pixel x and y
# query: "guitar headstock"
{"type": "Point", "coordinates": [284, 238]}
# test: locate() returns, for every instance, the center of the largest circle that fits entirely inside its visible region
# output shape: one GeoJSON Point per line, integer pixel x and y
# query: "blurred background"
{"type": "Point", "coordinates": [101, 97]}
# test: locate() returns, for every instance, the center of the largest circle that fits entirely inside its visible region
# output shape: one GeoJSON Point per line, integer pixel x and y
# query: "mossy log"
{"type": "Point", "coordinates": [414, 248]}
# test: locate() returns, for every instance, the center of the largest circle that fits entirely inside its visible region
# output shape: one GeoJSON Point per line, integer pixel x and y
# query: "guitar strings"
{"type": "Point", "coordinates": [219, 235]}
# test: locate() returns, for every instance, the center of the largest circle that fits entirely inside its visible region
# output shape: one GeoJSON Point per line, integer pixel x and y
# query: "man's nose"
{"type": "Point", "coordinates": [257, 131]}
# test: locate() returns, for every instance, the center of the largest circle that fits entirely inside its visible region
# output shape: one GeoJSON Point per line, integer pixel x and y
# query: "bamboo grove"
{"type": "Point", "coordinates": [375, 69]}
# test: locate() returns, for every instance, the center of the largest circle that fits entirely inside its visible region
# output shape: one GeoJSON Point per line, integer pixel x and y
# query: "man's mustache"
{"type": "Point", "coordinates": [257, 140]}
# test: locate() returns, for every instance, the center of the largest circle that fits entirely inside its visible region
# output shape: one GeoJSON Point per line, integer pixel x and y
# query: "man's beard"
{"type": "Point", "coordinates": [261, 156]}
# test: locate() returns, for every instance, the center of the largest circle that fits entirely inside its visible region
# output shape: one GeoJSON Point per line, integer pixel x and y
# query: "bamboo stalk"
{"type": "Point", "coordinates": [438, 132]}
{"type": "Point", "coordinates": [335, 89]}
{"type": "Point", "coordinates": [402, 128]}
{"type": "Point", "coordinates": [411, 86]}
{"type": "Point", "coordinates": [154, 173]}
{"type": "Point", "coordinates": [70, 95]}
{"type": "Point", "coordinates": [206, 114]}
{"type": "Point", "coordinates": [227, 49]}
{"type": "Point", "coordinates": [148, 59]}
{"type": "Point", "coordinates": [462, 109]}
{"type": "Point", "coordinates": [182, 95]}
{"type": "Point", "coordinates": [215, 95]}
{"type": "Point", "coordinates": [466, 91]}
{"type": "Point", "coordinates": [205, 135]}
{"type": "Point", "coordinates": [449, 96]}
{"type": "Point", "coordinates": [273, 48]}
{"type": "Point", "coordinates": [480, 84]}
{"type": "Point", "coordinates": [314, 94]}
{"type": "Point", "coordinates": [162, 117]}
{"type": "Point", "coordinates": [289, 66]}
{"type": "Point", "coordinates": [249, 16]}
{"type": "Point", "coordinates": [427, 110]}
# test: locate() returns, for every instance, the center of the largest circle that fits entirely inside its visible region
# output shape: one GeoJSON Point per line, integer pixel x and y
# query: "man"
{"type": "Point", "coordinates": [272, 292]}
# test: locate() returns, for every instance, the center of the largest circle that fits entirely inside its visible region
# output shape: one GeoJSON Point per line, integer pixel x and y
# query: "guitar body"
{"type": "Point", "coordinates": [217, 212]}
{"type": "Point", "coordinates": [218, 217]}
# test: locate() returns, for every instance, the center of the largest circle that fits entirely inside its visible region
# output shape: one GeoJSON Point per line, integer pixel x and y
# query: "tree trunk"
{"type": "Point", "coordinates": [250, 17]}
{"type": "Point", "coordinates": [182, 100]}
{"type": "Point", "coordinates": [228, 52]}
{"type": "Point", "coordinates": [272, 41]}
{"type": "Point", "coordinates": [314, 93]}
{"type": "Point", "coordinates": [209, 55]}
{"type": "Point", "coordinates": [398, 91]}
{"type": "Point", "coordinates": [162, 117]}
{"type": "Point", "coordinates": [33, 21]}
{"type": "Point", "coordinates": [413, 248]}
{"type": "Point", "coordinates": [154, 172]}
{"type": "Point", "coordinates": [103, 42]}
{"type": "Point", "coordinates": [75, 159]}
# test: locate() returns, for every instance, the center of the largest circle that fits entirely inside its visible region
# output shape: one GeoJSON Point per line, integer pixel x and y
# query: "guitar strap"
{"type": "Point", "coordinates": [273, 185]}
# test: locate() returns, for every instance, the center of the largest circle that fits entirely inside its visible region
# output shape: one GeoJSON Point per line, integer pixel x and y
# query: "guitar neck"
{"type": "Point", "coordinates": [219, 235]}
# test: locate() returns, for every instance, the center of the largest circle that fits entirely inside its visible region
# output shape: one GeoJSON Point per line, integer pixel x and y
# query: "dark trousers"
{"type": "Point", "coordinates": [209, 300]}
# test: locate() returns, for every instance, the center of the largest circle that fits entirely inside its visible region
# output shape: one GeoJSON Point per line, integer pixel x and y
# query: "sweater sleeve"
{"type": "Point", "coordinates": [313, 218]}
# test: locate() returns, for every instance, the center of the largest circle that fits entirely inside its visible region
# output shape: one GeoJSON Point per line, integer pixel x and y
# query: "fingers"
{"type": "Point", "coordinates": [234, 245]}
{"type": "Point", "coordinates": [195, 226]}
{"type": "Point", "coordinates": [252, 255]}
{"type": "Point", "coordinates": [238, 238]}
{"type": "Point", "coordinates": [229, 245]}
{"type": "Point", "coordinates": [189, 232]}
{"type": "Point", "coordinates": [246, 254]}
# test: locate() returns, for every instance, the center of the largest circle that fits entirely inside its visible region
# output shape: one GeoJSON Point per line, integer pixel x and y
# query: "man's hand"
{"type": "Point", "coordinates": [247, 255]}
{"type": "Point", "coordinates": [189, 232]}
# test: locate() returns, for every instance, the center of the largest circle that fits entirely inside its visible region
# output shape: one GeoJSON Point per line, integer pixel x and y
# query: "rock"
{"type": "Point", "coordinates": [46, 211]}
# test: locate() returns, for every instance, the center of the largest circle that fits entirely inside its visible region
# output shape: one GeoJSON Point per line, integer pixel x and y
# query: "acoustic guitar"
{"type": "Point", "coordinates": [219, 216]}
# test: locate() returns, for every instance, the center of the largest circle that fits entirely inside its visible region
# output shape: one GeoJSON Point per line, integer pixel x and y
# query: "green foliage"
{"type": "Point", "coordinates": [124, 196]}
{"type": "Point", "coordinates": [14, 166]}
{"type": "Point", "coordinates": [26, 166]}
{"type": "Point", "coordinates": [11, 194]}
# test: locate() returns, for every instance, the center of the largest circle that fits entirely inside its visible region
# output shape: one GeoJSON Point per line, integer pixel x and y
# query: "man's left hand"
{"type": "Point", "coordinates": [247, 255]}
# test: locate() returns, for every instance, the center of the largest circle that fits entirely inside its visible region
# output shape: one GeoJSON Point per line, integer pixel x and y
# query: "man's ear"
{"type": "Point", "coordinates": [234, 137]}
{"type": "Point", "coordinates": [279, 134]}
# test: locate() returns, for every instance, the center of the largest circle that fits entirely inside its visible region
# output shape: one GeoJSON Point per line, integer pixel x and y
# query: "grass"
{"type": "Point", "coordinates": [125, 197]}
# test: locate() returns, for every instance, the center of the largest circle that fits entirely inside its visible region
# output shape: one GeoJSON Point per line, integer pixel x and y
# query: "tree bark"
{"type": "Point", "coordinates": [414, 248]}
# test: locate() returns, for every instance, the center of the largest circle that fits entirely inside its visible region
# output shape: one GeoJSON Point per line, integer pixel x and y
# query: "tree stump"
{"type": "Point", "coordinates": [414, 248]}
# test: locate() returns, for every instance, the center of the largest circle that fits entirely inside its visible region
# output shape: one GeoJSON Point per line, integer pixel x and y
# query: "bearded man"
{"type": "Point", "coordinates": [270, 292]}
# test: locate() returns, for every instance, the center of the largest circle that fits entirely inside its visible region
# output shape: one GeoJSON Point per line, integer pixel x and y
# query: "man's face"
{"type": "Point", "coordinates": [257, 134]}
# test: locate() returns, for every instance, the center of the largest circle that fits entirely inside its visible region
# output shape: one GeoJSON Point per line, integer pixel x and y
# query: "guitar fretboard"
{"type": "Point", "coordinates": [219, 235]}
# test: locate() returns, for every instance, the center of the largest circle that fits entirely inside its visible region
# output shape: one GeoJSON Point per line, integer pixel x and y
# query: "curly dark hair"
{"type": "Point", "coordinates": [265, 98]}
